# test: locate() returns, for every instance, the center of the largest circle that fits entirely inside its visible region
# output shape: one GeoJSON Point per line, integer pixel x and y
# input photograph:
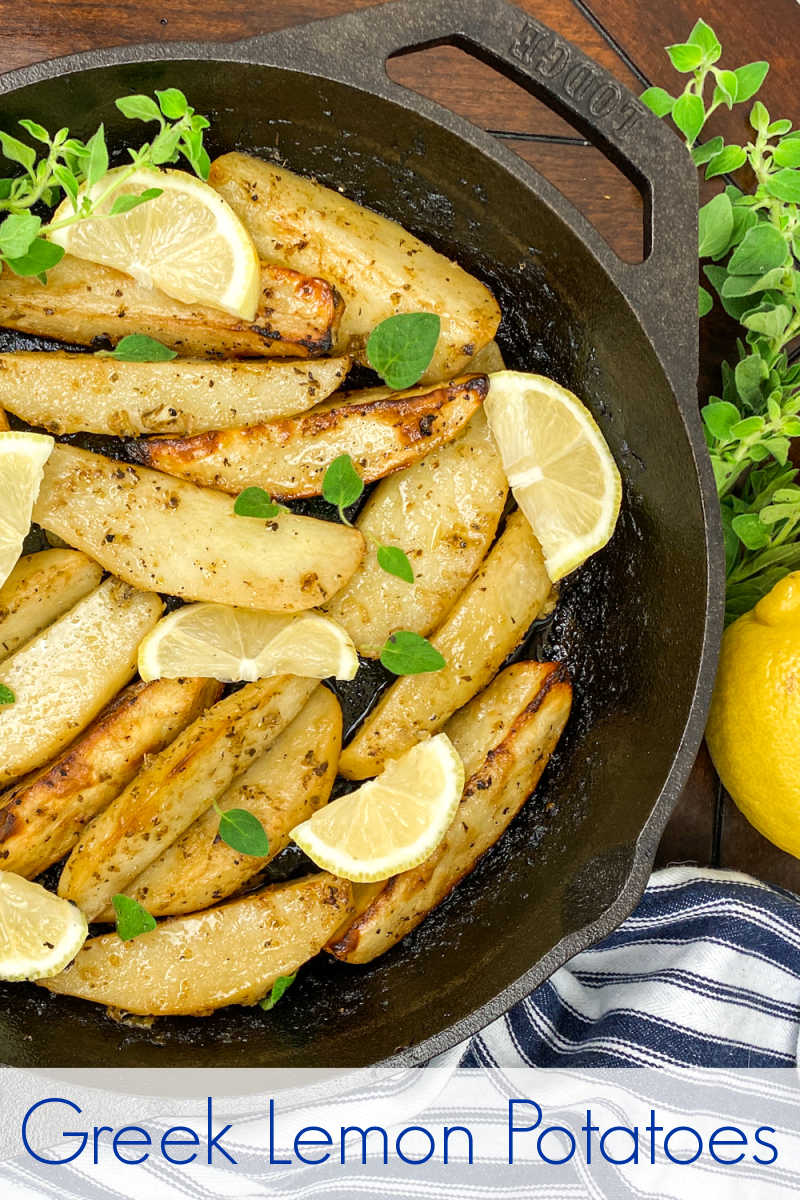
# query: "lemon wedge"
{"type": "Point", "coordinates": [557, 464]}
{"type": "Point", "coordinates": [22, 459]}
{"type": "Point", "coordinates": [391, 823]}
{"type": "Point", "coordinates": [39, 932]}
{"type": "Point", "coordinates": [218, 641]}
{"type": "Point", "coordinates": [188, 241]}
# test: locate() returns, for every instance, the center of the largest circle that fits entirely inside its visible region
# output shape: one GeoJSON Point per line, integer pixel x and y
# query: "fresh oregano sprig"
{"type": "Point", "coordinates": [752, 240]}
{"type": "Point", "coordinates": [342, 486]}
{"type": "Point", "coordinates": [67, 164]}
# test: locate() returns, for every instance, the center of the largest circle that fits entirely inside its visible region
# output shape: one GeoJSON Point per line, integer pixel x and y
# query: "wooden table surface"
{"type": "Point", "coordinates": [628, 37]}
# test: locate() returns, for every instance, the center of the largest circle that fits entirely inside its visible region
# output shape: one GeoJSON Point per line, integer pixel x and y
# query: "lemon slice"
{"type": "Point", "coordinates": [557, 464]}
{"type": "Point", "coordinates": [217, 641]}
{"type": "Point", "coordinates": [188, 241]}
{"type": "Point", "coordinates": [22, 459]}
{"type": "Point", "coordinates": [393, 822]}
{"type": "Point", "coordinates": [39, 932]}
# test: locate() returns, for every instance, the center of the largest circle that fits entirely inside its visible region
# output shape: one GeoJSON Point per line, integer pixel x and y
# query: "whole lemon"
{"type": "Point", "coordinates": [754, 726]}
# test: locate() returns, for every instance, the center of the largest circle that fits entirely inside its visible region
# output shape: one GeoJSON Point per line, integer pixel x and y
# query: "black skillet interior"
{"type": "Point", "coordinates": [631, 624]}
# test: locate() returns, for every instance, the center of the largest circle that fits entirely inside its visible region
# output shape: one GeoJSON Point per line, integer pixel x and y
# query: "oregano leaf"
{"type": "Point", "coordinates": [400, 348]}
{"type": "Point", "coordinates": [138, 347]}
{"type": "Point", "coordinates": [243, 832]}
{"type": "Point", "coordinates": [132, 919]}
{"type": "Point", "coordinates": [342, 484]}
{"type": "Point", "coordinates": [395, 562]}
{"type": "Point", "coordinates": [407, 653]}
{"type": "Point", "coordinates": [279, 988]}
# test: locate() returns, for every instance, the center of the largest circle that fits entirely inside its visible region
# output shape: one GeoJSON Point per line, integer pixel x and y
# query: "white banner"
{"type": "Point", "coordinates": [679, 1134]}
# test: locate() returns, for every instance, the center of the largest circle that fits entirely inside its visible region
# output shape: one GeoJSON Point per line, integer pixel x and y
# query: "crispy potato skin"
{"type": "Point", "coordinates": [282, 788]}
{"type": "Point", "coordinates": [70, 393]}
{"type": "Point", "coordinates": [87, 303]}
{"type": "Point", "coordinates": [3, 421]}
{"type": "Point", "coordinates": [378, 267]}
{"type": "Point", "coordinates": [487, 622]}
{"type": "Point", "coordinates": [43, 818]}
{"type": "Point", "coordinates": [40, 589]}
{"type": "Point", "coordinates": [288, 458]}
{"type": "Point", "coordinates": [494, 793]}
{"type": "Point", "coordinates": [171, 536]}
{"type": "Point", "coordinates": [444, 512]}
{"type": "Point", "coordinates": [83, 659]}
{"type": "Point", "coordinates": [194, 964]}
{"type": "Point", "coordinates": [175, 787]}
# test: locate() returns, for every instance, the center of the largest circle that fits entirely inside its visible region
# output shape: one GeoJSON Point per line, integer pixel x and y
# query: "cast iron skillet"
{"type": "Point", "coordinates": [638, 625]}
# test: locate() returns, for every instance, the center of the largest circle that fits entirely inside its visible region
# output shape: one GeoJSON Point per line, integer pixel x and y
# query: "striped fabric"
{"type": "Point", "coordinates": [705, 973]}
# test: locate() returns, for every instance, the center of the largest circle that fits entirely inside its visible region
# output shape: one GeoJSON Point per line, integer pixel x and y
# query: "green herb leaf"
{"type": "Point", "coordinates": [400, 349]}
{"type": "Point", "coordinates": [685, 56]}
{"type": "Point", "coordinates": [749, 79]}
{"type": "Point", "coordinates": [138, 347]}
{"type": "Point", "coordinates": [395, 562]}
{"type": "Point", "coordinates": [342, 484]}
{"type": "Point", "coordinates": [40, 256]}
{"type": "Point", "coordinates": [750, 373]}
{"type": "Point", "coordinates": [720, 418]}
{"type": "Point", "coordinates": [759, 117]}
{"type": "Point", "coordinates": [16, 151]}
{"type": "Point", "coordinates": [132, 919]}
{"type": "Point", "coordinates": [787, 153]}
{"type": "Point", "coordinates": [762, 249]}
{"type": "Point", "coordinates": [174, 104]}
{"type": "Point", "coordinates": [35, 130]}
{"type": "Point", "coordinates": [705, 302]}
{"type": "Point", "coordinates": [715, 225]}
{"type": "Point", "coordinates": [407, 653]}
{"type": "Point", "coordinates": [278, 988]}
{"type": "Point", "coordinates": [729, 159]}
{"type": "Point", "coordinates": [706, 151]}
{"type": "Point", "coordinates": [689, 114]}
{"type": "Point", "coordinates": [785, 185]}
{"type": "Point", "coordinates": [255, 502]}
{"type": "Point", "coordinates": [17, 232]}
{"type": "Point", "coordinates": [98, 157]}
{"type": "Point", "coordinates": [703, 36]}
{"type": "Point", "coordinates": [6, 695]}
{"type": "Point", "coordinates": [243, 832]}
{"type": "Point", "coordinates": [127, 200]}
{"type": "Point", "coordinates": [750, 531]}
{"type": "Point", "coordinates": [658, 101]}
{"type": "Point", "coordinates": [770, 320]}
{"type": "Point", "coordinates": [778, 128]}
{"type": "Point", "coordinates": [726, 89]}
{"type": "Point", "coordinates": [164, 147]}
{"type": "Point", "coordinates": [138, 108]}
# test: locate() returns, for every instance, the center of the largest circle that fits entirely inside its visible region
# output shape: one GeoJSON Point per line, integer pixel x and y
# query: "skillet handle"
{"type": "Point", "coordinates": [354, 48]}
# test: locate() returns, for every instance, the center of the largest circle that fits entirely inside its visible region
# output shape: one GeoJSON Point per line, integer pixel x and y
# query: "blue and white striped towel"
{"type": "Point", "coordinates": [706, 972]}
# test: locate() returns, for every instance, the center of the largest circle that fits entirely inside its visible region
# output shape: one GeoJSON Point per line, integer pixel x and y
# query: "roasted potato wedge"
{"type": "Point", "coordinates": [64, 676]}
{"type": "Point", "coordinates": [228, 955]}
{"type": "Point", "coordinates": [508, 747]}
{"type": "Point", "coordinates": [288, 458]}
{"type": "Point", "coordinates": [40, 589]}
{"type": "Point", "coordinates": [175, 787]}
{"type": "Point", "coordinates": [3, 420]}
{"type": "Point", "coordinates": [87, 303]}
{"type": "Point", "coordinates": [282, 788]}
{"type": "Point", "coordinates": [485, 624]}
{"type": "Point", "coordinates": [489, 358]}
{"type": "Point", "coordinates": [378, 267]}
{"type": "Point", "coordinates": [444, 512]}
{"type": "Point", "coordinates": [70, 393]}
{"type": "Point", "coordinates": [42, 818]}
{"type": "Point", "coordinates": [175, 537]}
